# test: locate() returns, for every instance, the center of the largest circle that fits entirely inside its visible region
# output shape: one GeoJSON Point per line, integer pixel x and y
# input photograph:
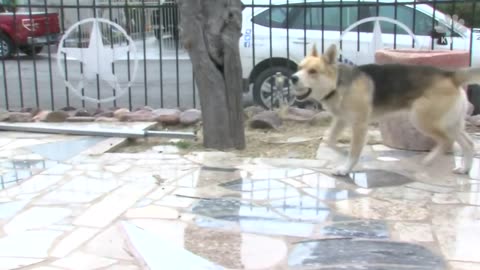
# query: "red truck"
{"type": "Point", "coordinates": [28, 32]}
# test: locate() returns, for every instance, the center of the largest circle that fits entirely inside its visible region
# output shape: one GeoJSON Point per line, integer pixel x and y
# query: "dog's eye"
{"type": "Point", "coordinates": [312, 71]}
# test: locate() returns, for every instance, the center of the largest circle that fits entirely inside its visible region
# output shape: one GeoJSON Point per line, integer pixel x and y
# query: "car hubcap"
{"type": "Point", "coordinates": [272, 97]}
{"type": "Point", "coordinates": [3, 48]}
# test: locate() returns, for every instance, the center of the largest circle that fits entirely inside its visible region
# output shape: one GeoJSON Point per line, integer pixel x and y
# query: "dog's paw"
{"type": "Point", "coordinates": [461, 170]}
{"type": "Point", "coordinates": [341, 171]}
{"type": "Point", "coordinates": [428, 161]}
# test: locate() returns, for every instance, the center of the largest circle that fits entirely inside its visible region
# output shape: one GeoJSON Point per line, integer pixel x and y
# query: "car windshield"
{"type": "Point", "coordinates": [18, 6]}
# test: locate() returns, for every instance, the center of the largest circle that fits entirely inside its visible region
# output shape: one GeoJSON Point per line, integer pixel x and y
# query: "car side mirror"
{"type": "Point", "coordinates": [440, 35]}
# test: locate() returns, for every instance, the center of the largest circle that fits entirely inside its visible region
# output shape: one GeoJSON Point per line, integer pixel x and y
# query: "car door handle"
{"type": "Point", "coordinates": [300, 41]}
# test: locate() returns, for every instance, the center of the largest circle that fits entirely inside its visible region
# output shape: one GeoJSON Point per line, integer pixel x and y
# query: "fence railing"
{"type": "Point", "coordinates": [131, 56]}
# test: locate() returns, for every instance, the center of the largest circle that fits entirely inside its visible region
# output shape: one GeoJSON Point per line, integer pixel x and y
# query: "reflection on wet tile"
{"type": "Point", "coordinates": [14, 171]}
{"type": "Point", "coordinates": [250, 217]}
{"type": "Point", "coordinates": [331, 194]}
{"type": "Point", "coordinates": [378, 178]}
{"type": "Point", "coordinates": [371, 208]}
{"type": "Point", "coordinates": [252, 185]}
{"type": "Point", "coordinates": [8, 263]}
{"type": "Point", "coordinates": [22, 244]}
{"type": "Point", "coordinates": [429, 187]}
{"type": "Point", "coordinates": [9, 209]}
{"type": "Point", "coordinates": [261, 189]}
{"type": "Point", "coordinates": [63, 150]}
{"type": "Point", "coordinates": [35, 218]}
{"type": "Point", "coordinates": [81, 261]}
{"type": "Point", "coordinates": [278, 173]}
{"type": "Point", "coordinates": [318, 180]}
{"type": "Point", "coordinates": [364, 254]}
{"type": "Point", "coordinates": [232, 210]}
{"type": "Point", "coordinates": [456, 229]}
{"type": "Point", "coordinates": [371, 229]}
{"type": "Point", "coordinates": [302, 208]}
{"type": "Point", "coordinates": [469, 198]}
{"type": "Point", "coordinates": [148, 245]}
{"type": "Point", "coordinates": [80, 190]}
{"type": "Point", "coordinates": [412, 232]}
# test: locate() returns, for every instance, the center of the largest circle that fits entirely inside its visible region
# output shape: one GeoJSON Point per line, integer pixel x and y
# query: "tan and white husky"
{"type": "Point", "coordinates": [357, 95]}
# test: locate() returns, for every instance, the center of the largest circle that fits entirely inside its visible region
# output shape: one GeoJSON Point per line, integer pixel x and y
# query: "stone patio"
{"type": "Point", "coordinates": [66, 203]}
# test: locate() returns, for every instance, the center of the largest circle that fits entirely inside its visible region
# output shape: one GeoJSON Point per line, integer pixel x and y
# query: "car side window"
{"type": "Point", "coordinates": [275, 17]}
{"type": "Point", "coordinates": [406, 15]}
{"type": "Point", "coordinates": [334, 18]}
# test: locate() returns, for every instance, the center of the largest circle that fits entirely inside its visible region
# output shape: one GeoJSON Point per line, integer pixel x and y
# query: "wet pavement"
{"type": "Point", "coordinates": [65, 203]}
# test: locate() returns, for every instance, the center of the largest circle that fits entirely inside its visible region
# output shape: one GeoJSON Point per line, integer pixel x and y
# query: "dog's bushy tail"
{"type": "Point", "coordinates": [467, 76]}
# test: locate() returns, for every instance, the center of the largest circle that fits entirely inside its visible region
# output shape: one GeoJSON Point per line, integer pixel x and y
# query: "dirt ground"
{"type": "Point", "coordinates": [291, 140]}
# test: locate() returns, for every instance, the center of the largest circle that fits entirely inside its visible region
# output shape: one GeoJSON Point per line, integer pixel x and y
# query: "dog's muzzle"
{"type": "Point", "coordinates": [304, 96]}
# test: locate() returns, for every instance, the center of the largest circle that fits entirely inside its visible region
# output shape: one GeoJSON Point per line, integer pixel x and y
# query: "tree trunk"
{"type": "Point", "coordinates": [210, 31]}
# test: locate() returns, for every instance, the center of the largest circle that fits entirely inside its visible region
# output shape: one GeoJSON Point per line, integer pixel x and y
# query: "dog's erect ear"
{"type": "Point", "coordinates": [331, 54]}
{"type": "Point", "coordinates": [314, 50]}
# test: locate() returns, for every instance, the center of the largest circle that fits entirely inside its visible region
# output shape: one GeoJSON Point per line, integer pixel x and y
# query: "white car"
{"type": "Point", "coordinates": [275, 38]}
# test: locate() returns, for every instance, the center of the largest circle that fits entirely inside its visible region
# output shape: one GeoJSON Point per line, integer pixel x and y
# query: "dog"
{"type": "Point", "coordinates": [359, 95]}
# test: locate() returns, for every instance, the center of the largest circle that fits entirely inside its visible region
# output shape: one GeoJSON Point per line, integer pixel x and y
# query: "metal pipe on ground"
{"type": "Point", "coordinates": [102, 132]}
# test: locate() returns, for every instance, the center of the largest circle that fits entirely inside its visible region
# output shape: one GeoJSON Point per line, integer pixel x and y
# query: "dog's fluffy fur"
{"type": "Point", "coordinates": [357, 95]}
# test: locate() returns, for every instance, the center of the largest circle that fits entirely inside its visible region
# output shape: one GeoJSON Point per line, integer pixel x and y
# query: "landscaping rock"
{"type": "Point", "coordinates": [80, 119]}
{"type": "Point", "coordinates": [321, 119]}
{"type": "Point", "coordinates": [18, 117]}
{"type": "Point", "coordinates": [144, 108]}
{"type": "Point", "coordinates": [118, 113]}
{"type": "Point", "coordinates": [4, 115]}
{"type": "Point", "coordinates": [105, 114]}
{"type": "Point", "coordinates": [297, 114]}
{"type": "Point", "coordinates": [56, 117]}
{"type": "Point", "coordinates": [475, 120]}
{"type": "Point", "coordinates": [470, 109]}
{"type": "Point", "coordinates": [68, 109]}
{"type": "Point", "coordinates": [266, 120]}
{"type": "Point", "coordinates": [190, 117]}
{"type": "Point", "coordinates": [253, 110]}
{"type": "Point", "coordinates": [41, 116]}
{"type": "Point", "coordinates": [398, 132]}
{"type": "Point", "coordinates": [139, 116]}
{"type": "Point", "coordinates": [81, 113]}
{"type": "Point", "coordinates": [106, 119]}
{"type": "Point", "coordinates": [32, 111]}
{"type": "Point", "coordinates": [168, 116]}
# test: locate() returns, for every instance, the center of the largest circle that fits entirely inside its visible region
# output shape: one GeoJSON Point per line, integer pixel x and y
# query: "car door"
{"type": "Point", "coordinates": [423, 27]}
{"type": "Point", "coordinates": [267, 33]}
{"type": "Point", "coordinates": [322, 24]}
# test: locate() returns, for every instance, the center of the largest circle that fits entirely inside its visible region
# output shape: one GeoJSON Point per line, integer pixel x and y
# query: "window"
{"type": "Point", "coordinates": [275, 17]}
{"type": "Point", "coordinates": [335, 18]}
{"type": "Point", "coordinates": [423, 23]}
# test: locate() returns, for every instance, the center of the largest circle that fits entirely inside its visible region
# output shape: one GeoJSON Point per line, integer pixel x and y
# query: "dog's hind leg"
{"type": "Point", "coordinates": [436, 116]}
{"type": "Point", "coordinates": [464, 140]}
{"type": "Point", "coordinates": [359, 135]}
{"type": "Point", "coordinates": [338, 125]}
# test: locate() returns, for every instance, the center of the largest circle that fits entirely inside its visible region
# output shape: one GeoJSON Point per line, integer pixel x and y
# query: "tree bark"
{"type": "Point", "coordinates": [210, 31]}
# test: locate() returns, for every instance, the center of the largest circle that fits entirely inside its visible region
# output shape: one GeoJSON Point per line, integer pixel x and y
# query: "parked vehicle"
{"type": "Point", "coordinates": [28, 32]}
{"type": "Point", "coordinates": [165, 21]}
{"type": "Point", "coordinates": [276, 38]}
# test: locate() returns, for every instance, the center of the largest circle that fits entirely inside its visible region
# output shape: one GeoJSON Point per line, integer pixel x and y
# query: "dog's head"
{"type": "Point", "coordinates": [316, 76]}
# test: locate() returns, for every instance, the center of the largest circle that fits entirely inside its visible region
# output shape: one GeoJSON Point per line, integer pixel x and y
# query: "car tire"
{"type": "Point", "coordinates": [6, 46]}
{"type": "Point", "coordinates": [31, 50]}
{"type": "Point", "coordinates": [262, 78]}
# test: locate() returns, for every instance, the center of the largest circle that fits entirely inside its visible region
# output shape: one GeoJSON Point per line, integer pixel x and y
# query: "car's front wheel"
{"type": "Point", "coordinates": [6, 46]}
{"type": "Point", "coordinates": [265, 92]}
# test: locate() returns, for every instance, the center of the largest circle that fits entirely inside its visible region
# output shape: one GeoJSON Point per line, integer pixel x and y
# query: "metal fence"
{"type": "Point", "coordinates": [131, 57]}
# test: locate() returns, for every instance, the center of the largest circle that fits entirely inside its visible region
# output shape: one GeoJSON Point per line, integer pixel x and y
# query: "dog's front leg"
{"type": "Point", "coordinates": [336, 129]}
{"type": "Point", "coordinates": [359, 135]}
